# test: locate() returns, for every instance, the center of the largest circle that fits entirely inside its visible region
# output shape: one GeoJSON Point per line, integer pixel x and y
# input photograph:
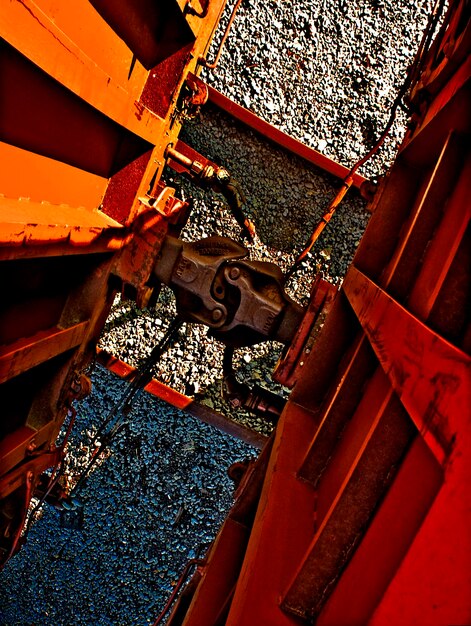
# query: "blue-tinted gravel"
{"type": "Point", "coordinates": [161, 495]}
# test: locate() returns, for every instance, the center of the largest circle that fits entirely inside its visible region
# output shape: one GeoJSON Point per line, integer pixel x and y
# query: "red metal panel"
{"type": "Point", "coordinates": [363, 583]}
{"type": "Point", "coordinates": [289, 367]}
{"type": "Point", "coordinates": [14, 479]}
{"type": "Point", "coordinates": [226, 556]}
{"type": "Point", "coordinates": [361, 426]}
{"type": "Point", "coordinates": [432, 586]}
{"type": "Point", "coordinates": [424, 217]}
{"type": "Point", "coordinates": [283, 524]}
{"type": "Point", "coordinates": [443, 248]}
{"type": "Point", "coordinates": [349, 494]}
{"type": "Point", "coordinates": [431, 376]}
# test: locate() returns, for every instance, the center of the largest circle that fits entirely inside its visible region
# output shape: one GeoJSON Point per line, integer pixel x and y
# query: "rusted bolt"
{"type": "Point", "coordinates": [31, 447]}
{"type": "Point", "coordinates": [81, 386]}
{"type": "Point", "coordinates": [234, 273]}
{"type": "Point", "coordinates": [217, 315]}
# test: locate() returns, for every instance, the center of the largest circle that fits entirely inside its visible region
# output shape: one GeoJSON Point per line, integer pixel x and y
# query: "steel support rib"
{"type": "Point", "coordinates": [430, 375]}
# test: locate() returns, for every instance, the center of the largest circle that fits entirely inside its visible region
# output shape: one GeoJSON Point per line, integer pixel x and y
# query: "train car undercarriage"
{"type": "Point", "coordinates": [357, 509]}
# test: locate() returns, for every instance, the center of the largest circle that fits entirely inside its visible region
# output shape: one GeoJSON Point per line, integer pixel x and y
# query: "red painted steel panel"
{"type": "Point", "coordinates": [375, 563]}
{"type": "Point", "coordinates": [431, 376]}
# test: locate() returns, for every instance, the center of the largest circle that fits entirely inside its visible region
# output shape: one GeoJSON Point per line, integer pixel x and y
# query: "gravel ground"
{"type": "Point", "coordinates": [326, 73]}
{"type": "Point", "coordinates": [148, 509]}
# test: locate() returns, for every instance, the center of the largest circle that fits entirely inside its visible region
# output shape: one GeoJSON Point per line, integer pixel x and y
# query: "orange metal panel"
{"type": "Point", "coordinates": [29, 352]}
{"type": "Point", "coordinates": [80, 22]}
{"type": "Point", "coordinates": [47, 180]}
{"type": "Point", "coordinates": [28, 29]}
{"type": "Point", "coordinates": [32, 223]}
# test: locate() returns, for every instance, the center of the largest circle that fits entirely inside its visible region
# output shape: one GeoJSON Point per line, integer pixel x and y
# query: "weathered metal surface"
{"type": "Point", "coordinates": [242, 301]}
{"type": "Point", "coordinates": [389, 363]}
{"type": "Point", "coordinates": [359, 474]}
{"type": "Point", "coordinates": [203, 60]}
{"type": "Point", "coordinates": [430, 376]}
{"type": "Point", "coordinates": [83, 131]}
{"type": "Point", "coordinates": [289, 367]}
{"type": "Point", "coordinates": [366, 578]}
{"type": "Point", "coordinates": [30, 351]}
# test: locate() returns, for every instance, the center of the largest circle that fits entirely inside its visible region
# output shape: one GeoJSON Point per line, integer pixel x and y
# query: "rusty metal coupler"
{"type": "Point", "coordinates": [243, 302]}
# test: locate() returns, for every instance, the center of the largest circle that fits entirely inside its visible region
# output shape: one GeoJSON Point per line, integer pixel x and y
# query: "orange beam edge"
{"type": "Point", "coordinates": [184, 403]}
{"type": "Point", "coordinates": [280, 138]}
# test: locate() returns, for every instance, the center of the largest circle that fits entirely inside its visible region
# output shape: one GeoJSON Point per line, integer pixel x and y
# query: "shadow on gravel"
{"type": "Point", "coordinates": [158, 499]}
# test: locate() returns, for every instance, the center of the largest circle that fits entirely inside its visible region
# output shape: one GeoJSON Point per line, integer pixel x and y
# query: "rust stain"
{"type": "Point", "coordinates": [140, 110]}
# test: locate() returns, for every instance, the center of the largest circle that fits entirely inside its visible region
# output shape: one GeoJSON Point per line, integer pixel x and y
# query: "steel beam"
{"type": "Point", "coordinates": [26, 353]}
{"type": "Point", "coordinates": [280, 138]}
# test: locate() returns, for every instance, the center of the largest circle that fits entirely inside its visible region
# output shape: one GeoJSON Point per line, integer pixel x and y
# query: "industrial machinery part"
{"type": "Point", "coordinates": [208, 174]}
{"type": "Point", "coordinates": [361, 513]}
{"type": "Point", "coordinates": [255, 399]}
{"type": "Point", "coordinates": [243, 302]}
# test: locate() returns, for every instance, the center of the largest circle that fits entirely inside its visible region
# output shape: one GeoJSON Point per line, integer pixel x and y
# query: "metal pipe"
{"type": "Point", "coordinates": [202, 60]}
{"type": "Point", "coordinates": [171, 153]}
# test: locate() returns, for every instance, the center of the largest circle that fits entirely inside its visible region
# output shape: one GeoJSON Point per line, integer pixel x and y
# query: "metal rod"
{"type": "Point", "coordinates": [280, 138]}
{"type": "Point", "coordinates": [175, 155]}
{"type": "Point", "coordinates": [213, 65]}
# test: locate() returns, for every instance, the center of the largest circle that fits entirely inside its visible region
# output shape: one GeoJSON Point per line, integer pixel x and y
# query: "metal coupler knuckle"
{"type": "Point", "coordinates": [243, 302]}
